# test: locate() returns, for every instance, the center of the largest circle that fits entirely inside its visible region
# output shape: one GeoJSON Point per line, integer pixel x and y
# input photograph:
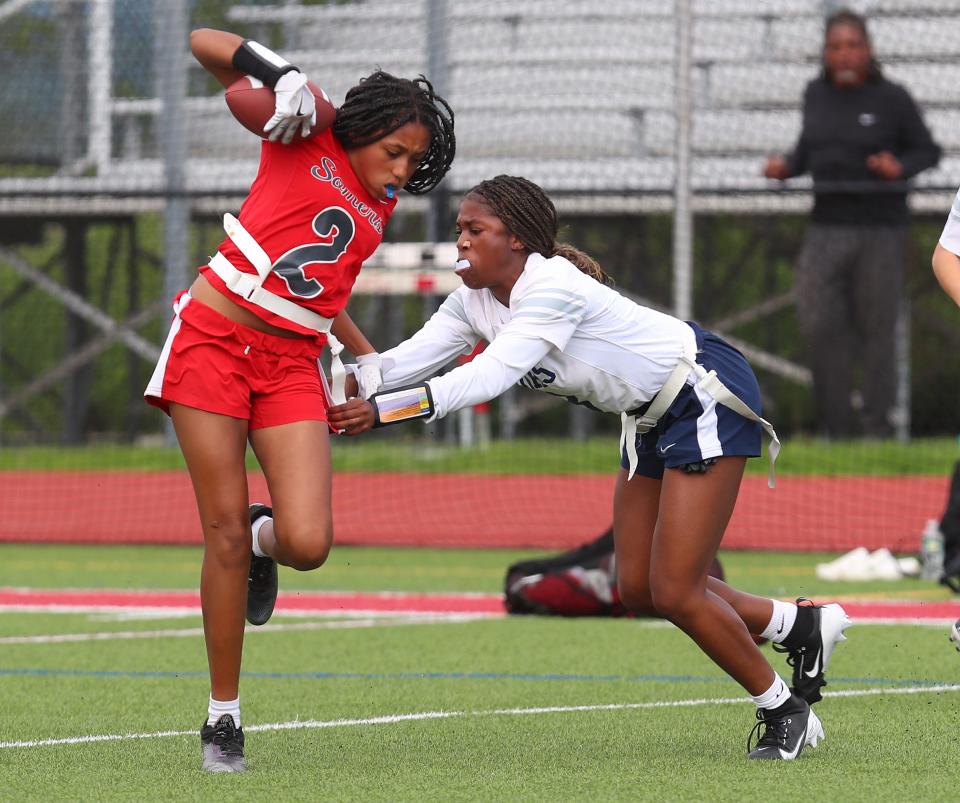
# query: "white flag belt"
{"type": "Point", "coordinates": [708, 381]}
{"type": "Point", "coordinates": [250, 287]}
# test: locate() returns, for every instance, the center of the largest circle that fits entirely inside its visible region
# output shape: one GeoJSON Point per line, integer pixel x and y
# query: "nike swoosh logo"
{"type": "Point", "coordinates": [816, 664]}
{"type": "Point", "coordinates": [789, 754]}
{"type": "Point", "coordinates": [665, 449]}
{"type": "Point", "coordinates": [780, 629]}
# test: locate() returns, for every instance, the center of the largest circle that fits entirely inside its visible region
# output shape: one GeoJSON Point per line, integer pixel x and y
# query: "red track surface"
{"type": "Point", "coordinates": [550, 512]}
{"type": "Point", "coordinates": [341, 602]}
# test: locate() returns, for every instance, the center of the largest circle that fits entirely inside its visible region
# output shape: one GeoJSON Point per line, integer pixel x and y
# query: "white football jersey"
{"type": "Point", "coordinates": [950, 238]}
{"type": "Point", "coordinates": [564, 333]}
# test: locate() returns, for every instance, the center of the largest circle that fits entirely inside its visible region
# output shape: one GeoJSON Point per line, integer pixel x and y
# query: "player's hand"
{"type": "Point", "coordinates": [296, 108]}
{"type": "Point", "coordinates": [351, 387]}
{"type": "Point", "coordinates": [885, 165]}
{"type": "Point", "coordinates": [369, 374]}
{"type": "Point", "coordinates": [776, 167]}
{"type": "Point", "coordinates": [351, 418]}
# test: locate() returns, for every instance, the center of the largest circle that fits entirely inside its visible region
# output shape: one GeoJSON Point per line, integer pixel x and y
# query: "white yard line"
{"type": "Point", "coordinates": [310, 724]}
{"type": "Point", "coordinates": [338, 624]}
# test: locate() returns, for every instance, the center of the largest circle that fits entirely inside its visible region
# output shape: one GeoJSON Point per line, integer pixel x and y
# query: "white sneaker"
{"type": "Point", "coordinates": [909, 566]}
{"type": "Point", "coordinates": [955, 634]}
{"type": "Point", "coordinates": [851, 566]}
{"type": "Point", "coordinates": [884, 566]}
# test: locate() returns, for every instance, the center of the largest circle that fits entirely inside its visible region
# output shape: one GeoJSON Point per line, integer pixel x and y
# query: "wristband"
{"type": "Point", "coordinates": [252, 58]}
{"type": "Point", "coordinates": [402, 404]}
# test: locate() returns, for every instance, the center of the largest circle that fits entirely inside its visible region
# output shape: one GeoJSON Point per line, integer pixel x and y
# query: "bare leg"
{"type": "Point", "coordinates": [692, 511]}
{"type": "Point", "coordinates": [634, 521]}
{"type": "Point", "coordinates": [296, 462]}
{"type": "Point", "coordinates": [214, 447]}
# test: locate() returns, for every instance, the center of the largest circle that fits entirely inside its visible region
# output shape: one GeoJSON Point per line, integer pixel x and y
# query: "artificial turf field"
{"type": "Point", "coordinates": [379, 706]}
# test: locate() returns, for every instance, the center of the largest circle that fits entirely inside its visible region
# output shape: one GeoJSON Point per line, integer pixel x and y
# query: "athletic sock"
{"type": "Point", "coordinates": [802, 629]}
{"type": "Point", "coordinates": [775, 696]}
{"type": "Point", "coordinates": [256, 536]}
{"type": "Point", "coordinates": [218, 708]}
{"type": "Point", "coordinates": [782, 621]}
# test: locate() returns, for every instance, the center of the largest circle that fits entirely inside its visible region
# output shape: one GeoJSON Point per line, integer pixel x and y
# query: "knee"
{"type": "Point", "coordinates": [635, 596]}
{"type": "Point", "coordinates": [672, 601]}
{"type": "Point", "coordinates": [307, 548]}
{"type": "Point", "coordinates": [228, 541]}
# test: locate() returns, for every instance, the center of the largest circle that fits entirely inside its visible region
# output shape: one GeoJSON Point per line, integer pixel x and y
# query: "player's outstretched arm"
{"type": "Point", "coordinates": [946, 267]}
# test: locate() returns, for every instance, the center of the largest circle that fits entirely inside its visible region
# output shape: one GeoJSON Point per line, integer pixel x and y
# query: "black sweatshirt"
{"type": "Point", "coordinates": [841, 128]}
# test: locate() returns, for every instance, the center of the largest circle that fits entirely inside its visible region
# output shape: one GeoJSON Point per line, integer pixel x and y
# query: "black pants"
{"type": "Point", "coordinates": [849, 286]}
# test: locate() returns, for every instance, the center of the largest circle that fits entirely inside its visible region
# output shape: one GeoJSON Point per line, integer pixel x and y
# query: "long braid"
{"type": "Point", "coordinates": [528, 213]}
{"type": "Point", "coordinates": [381, 103]}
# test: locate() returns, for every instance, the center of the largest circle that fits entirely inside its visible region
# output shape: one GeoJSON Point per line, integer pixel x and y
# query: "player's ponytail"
{"type": "Point", "coordinates": [584, 262]}
{"type": "Point", "coordinates": [528, 212]}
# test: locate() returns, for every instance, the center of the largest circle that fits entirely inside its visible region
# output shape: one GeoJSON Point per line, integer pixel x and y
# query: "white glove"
{"type": "Point", "coordinates": [295, 108]}
{"type": "Point", "coordinates": [369, 374]}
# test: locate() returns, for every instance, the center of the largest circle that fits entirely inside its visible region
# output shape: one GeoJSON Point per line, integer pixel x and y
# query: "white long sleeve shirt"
{"type": "Point", "coordinates": [564, 333]}
{"type": "Point", "coordinates": [950, 237]}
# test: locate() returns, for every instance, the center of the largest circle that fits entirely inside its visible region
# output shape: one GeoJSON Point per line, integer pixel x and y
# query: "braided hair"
{"type": "Point", "coordinates": [381, 103]}
{"type": "Point", "coordinates": [531, 217]}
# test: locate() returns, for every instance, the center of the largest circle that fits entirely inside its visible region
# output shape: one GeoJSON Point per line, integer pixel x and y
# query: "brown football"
{"type": "Point", "coordinates": [252, 104]}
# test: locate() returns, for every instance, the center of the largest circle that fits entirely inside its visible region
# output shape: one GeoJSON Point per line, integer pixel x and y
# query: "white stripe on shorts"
{"type": "Point", "coordinates": [708, 435]}
{"type": "Point", "coordinates": [155, 385]}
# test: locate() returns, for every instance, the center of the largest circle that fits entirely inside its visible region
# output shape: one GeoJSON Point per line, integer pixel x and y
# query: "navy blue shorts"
{"type": "Point", "coordinates": [696, 427]}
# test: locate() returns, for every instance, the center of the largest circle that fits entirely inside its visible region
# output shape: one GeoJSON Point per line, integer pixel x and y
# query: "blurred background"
{"type": "Point", "coordinates": [647, 121]}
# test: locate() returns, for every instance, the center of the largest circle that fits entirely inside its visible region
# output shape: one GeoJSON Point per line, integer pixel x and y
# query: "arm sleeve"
{"type": "Point", "coordinates": [918, 150]}
{"type": "Point", "coordinates": [950, 238]}
{"type": "Point", "coordinates": [544, 317]}
{"type": "Point", "coordinates": [447, 334]}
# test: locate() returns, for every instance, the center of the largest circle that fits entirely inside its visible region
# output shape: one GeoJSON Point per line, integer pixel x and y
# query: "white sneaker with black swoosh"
{"type": "Point", "coordinates": [810, 660]}
{"type": "Point", "coordinates": [786, 731]}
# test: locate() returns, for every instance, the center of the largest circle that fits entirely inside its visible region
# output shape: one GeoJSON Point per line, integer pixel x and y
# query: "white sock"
{"type": "Point", "coordinates": [781, 622]}
{"type": "Point", "coordinates": [775, 696]}
{"type": "Point", "coordinates": [256, 536]}
{"type": "Point", "coordinates": [218, 708]}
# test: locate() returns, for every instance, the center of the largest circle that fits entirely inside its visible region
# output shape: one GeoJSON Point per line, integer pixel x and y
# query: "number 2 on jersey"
{"type": "Point", "coordinates": [335, 228]}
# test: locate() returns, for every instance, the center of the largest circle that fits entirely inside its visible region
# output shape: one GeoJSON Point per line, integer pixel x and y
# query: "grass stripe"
{"type": "Point", "coordinates": [427, 715]}
{"type": "Point", "coordinates": [109, 635]}
{"type": "Point", "coordinates": [556, 677]}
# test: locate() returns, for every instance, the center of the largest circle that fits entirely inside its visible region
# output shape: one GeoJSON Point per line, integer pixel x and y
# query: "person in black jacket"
{"type": "Point", "coordinates": [862, 139]}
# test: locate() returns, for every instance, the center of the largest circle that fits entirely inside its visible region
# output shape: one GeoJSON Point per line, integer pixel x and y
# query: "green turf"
{"type": "Point", "coordinates": [485, 677]}
{"type": "Point", "coordinates": [800, 456]}
{"type": "Point", "coordinates": [396, 569]}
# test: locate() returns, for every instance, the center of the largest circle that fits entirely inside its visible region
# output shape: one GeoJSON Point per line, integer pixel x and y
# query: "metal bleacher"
{"type": "Point", "coordinates": [579, 97]}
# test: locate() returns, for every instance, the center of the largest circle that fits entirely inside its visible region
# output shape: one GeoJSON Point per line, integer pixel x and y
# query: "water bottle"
{"type": "Point", "coordinates": [931, 550]}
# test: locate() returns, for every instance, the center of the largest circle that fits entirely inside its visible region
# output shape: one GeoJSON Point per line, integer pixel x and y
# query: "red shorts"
{"type": "Point", "coordinates": [213, 364]}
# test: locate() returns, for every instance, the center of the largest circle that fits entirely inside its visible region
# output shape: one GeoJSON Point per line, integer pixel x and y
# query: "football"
{"type": "Point", "coordinates": [252, 103]}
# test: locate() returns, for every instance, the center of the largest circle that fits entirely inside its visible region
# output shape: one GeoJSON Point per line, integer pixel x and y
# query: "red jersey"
{"type": "Point", "coordinates": [308, 210]}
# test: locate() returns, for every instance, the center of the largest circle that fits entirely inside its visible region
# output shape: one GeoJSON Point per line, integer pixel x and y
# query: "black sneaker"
{"type": "Point", "coordinates": [262, 583]}
{"type": "Point", "coordinates": [787, 730]}
{"type": "Point", "coordinates": [222, 746]}
{"type": "Point", "coordinates": [810, 658]}
{"type": "Point", "coordinates": [955, 634]}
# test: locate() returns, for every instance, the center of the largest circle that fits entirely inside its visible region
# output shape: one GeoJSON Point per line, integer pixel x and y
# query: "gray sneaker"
{"type": "Point", "coordinates": [222, 746]}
